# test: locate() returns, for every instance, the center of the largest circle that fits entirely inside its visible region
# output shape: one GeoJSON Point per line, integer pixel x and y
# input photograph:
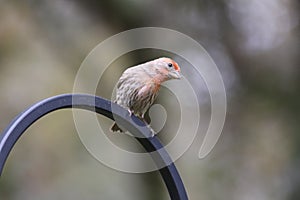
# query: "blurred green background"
{"type": "Point", "coordinates": [254, 43]}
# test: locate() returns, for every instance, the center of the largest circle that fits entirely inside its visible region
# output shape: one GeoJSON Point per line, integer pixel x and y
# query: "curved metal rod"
{"type": "Point", "coordinates": [17, 127]}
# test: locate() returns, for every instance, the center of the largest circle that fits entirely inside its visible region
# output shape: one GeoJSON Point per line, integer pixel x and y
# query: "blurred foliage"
{"type": "Point", "coordinates": [254, 43]}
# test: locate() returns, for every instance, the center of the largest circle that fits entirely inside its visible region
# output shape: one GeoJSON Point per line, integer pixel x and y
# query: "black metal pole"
{"type": "Point", "coordinates": [152, 145]}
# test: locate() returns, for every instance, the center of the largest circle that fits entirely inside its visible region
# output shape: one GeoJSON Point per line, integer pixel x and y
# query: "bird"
{"type": "Point", "coordinates": [139, 85]}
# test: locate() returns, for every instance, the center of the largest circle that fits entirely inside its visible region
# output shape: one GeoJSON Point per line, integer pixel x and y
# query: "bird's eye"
{"type": "Point", "coordinates": [170, 64]}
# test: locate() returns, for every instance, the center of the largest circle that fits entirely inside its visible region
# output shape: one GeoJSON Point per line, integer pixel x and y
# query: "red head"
{"type": "Point", "coordinates": [171, 63]}
{"type": "Point", "coordinates": [164, 69]}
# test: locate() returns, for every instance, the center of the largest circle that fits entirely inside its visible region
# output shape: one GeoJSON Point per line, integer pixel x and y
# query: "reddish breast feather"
{"type": "Point", "coordinates": [144, 90]}
{"type": "Point", "coordinates": [149, 88]}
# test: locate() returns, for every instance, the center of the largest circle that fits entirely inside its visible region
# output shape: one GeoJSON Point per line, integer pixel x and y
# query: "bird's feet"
{"type": "Point", "coordinates": [148, 126]}
{"type": "Point", "coordinates": [152, 131]}
{"type": "Point", "coordinates": [130, 112]}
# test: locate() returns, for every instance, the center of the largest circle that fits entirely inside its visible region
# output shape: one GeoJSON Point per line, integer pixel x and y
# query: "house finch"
{"type": "Point", "coordinates": [138, 86]}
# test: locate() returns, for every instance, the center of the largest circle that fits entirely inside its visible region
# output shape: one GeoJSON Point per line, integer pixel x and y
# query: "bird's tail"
{"type": "Point", "coordinates": [116, 128]}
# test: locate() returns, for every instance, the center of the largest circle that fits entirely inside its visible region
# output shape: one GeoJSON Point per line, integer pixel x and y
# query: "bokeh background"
{"type": "Point", "coordinates": [254, 43]}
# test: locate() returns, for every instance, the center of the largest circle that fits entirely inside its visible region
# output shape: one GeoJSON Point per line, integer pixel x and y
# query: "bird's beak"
{"type": "Point", "coordinates": [175, 75]}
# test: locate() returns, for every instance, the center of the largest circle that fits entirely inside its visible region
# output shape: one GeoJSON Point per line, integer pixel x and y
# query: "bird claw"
{"type": "Point", "coordinates": [143, 119]}
{"type": "Point", "coordinates": [151, 130]}
{"type": "Point", "coordinates": [130, 112]}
